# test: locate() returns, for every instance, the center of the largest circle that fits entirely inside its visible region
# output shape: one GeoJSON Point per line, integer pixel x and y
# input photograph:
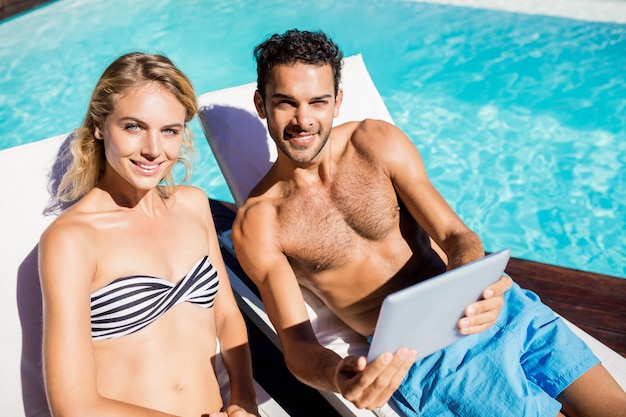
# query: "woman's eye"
{"type": "Point", "coordinates": [132, 127]}
{"type": "Point", "coordinates": [172, 132]}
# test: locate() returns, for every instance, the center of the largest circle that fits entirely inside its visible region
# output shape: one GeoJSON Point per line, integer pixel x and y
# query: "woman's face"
{"type": "Point", "coordinates": [143, 136]}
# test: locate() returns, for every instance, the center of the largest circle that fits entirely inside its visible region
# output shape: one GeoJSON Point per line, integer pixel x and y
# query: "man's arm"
{"type": "Point", "coordinates": [260, 255]}
{"type": "Point", "coordinates": [403, 164]}
{"type": "Point", "coordinates": [407, 172]}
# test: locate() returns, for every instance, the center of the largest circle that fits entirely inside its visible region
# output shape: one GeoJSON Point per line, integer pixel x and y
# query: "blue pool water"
{"type": "Point", "coordinates": [521, 120]}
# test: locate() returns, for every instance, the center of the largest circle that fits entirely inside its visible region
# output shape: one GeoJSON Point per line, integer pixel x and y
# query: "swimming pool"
{"type": "Point", "coordinates": [520, 119]}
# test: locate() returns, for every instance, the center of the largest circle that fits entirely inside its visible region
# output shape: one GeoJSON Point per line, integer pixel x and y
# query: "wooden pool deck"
{"type": "Point", "coordinates": [10, 8]}
{"type": "Point", "coordinates": [596, 303]}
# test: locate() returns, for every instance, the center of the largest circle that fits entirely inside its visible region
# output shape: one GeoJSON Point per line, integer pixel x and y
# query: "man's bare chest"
{"type": "Point", "coordinates": [324, 227]}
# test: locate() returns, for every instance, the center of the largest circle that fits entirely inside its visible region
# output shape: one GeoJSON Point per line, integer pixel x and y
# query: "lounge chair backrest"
{"type": "Point", "coordinates": [29, 175]}
{"type": "Point", "coordinates": [27, 171]}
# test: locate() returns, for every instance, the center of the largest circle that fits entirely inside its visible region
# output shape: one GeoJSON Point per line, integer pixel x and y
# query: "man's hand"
{"type": "Point", "coordinates": [371, 386]}
{"type": "Point", "coordinates": [232, 410]}
{"type": "Point", "coordinates": [481, 315]}
{"type": "Point", "coordinates": [235, 410]}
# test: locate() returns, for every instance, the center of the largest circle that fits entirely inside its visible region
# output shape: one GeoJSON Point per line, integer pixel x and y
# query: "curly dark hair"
{"type": "Point", "coordinates": [314, 48]}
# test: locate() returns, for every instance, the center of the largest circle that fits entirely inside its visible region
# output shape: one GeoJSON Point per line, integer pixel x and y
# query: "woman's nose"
{"type": "Point", "coordinates": [152, 144]}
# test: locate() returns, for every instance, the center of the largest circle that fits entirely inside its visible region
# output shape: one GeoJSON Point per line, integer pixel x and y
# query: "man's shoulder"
{"type": "Point", "coordinates": [257, 203]}
{"type": "Point", "coordinates": [361, 126]}
{"type": "Point", "coordinates": [366, 131]}
{"type": "Point", "coordinates": [254, 224]}
{"type": "Point", "coordinates": [371, 137]}
{"type": "Point", "coordinates": [254, 210]}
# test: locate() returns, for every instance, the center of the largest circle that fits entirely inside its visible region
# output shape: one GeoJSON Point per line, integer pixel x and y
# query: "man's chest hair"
{"type": "Point", "coordinates": [321, 225]}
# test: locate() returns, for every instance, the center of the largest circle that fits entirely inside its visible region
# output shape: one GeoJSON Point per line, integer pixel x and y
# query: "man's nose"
{"type": "Point", "coordinates": [303, 116]}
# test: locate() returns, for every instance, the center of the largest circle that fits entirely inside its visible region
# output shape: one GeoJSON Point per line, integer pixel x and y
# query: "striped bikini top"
{"type": "Point", "coordinates": [129, 304]}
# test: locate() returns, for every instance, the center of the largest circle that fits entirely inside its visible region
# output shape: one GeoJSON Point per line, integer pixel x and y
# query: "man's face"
{"type": "Point", "coordinates": [299, 106]}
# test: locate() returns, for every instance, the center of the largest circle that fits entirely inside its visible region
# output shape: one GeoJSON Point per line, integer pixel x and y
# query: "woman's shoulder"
{"type": "Point", "coordinates": [190, 197]}
{"type": "Point", "coordinates": [74, 227]}
{"type": "Point", "coordinates": [191, 193]}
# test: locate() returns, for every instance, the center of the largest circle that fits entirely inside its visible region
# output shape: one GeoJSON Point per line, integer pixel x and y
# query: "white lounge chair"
{"type": "Point", "coordinates": [244, 152]}
{"type": "Point", "coordinates": [26, 173]}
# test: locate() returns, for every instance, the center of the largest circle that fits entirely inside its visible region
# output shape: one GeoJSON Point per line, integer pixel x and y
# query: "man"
{"type": "Point", "coordinates": [349, 213]}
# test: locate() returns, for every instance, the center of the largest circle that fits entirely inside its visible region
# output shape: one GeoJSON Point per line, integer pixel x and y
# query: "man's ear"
{"type": "Point", "coordinates": [338, 99]}
{"type": "Point", "coordinates": [260, 106]}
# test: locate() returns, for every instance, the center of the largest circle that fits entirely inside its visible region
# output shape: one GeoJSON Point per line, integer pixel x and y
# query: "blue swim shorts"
{"type": "Point", "coordinates": [515, 368]}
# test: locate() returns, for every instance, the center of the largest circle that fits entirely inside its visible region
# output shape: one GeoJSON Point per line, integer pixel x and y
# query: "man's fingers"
{"type": "Point", "coordinates": [379, 380]}
{"type": "Point", "coordinates": [355, 376]}
{"type": "Point", "coordinates": [498, 288]}
{"type": "Point", "coordinates": [479, 322]}
{"type": "Point", "coordinates": [480, 316]}
{"type": "Point", "coordinates": [484, 306]}
{"type": "Point", "coordinates": [391, 379]}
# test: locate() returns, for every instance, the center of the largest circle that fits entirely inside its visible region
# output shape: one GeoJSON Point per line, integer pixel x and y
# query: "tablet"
{"type": "Point", "coordinates": [424, 316]}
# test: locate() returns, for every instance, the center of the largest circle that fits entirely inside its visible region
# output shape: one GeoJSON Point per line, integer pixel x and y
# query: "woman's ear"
{"type": "Point", "coordinates": [97, 132]}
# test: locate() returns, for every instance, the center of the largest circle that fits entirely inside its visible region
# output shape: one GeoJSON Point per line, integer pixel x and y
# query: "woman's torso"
{"type": "Point", "coordinates": [165, 365]}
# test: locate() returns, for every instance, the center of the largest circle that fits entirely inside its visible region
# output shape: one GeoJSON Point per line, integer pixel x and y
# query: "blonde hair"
{"type": "Point", "coordinates": [126, 72]}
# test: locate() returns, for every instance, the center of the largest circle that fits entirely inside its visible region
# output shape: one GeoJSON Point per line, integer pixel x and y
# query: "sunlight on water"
{"type": "Point", "coordinates": [520, 119]}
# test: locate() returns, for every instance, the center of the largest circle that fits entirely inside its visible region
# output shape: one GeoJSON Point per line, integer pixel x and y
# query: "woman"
{"type": "Point", "coordinates": [130, 272]}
